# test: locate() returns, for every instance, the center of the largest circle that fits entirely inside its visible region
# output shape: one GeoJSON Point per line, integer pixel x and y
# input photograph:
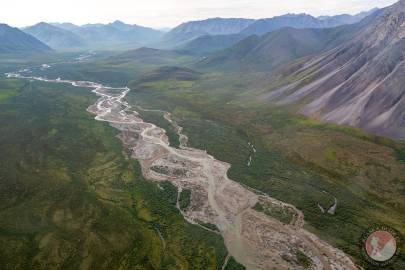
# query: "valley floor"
{"type": "Point", "coordinates": [71, 199]}
{"type": "Point", "coordinates": [299, 161]}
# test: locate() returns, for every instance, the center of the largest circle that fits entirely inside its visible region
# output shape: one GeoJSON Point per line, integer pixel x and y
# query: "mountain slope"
{"type": "Point", "coordinates": [301, 21]}
{"type": "Point", "coordinates": [118, 33]}
{"type": "Point", "coordinates": [55, 37]}
{"type": "Point", "coordinates": [275, 48]}
{"type": "Point", "coordinates": [67, 26]}
{"type": "Point", "coordinates": [208, 44]}
{"type": "Point", "coordinates": [348, 19]}
{"type": "Point", "coordinates": [216, 26]}
{"type": "Point", "coordinates": [14, 40]}
{"type": "Point", "coordinates": [360, 83]}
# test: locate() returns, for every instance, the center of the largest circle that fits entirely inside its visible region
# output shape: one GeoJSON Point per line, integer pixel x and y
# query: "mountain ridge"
{"type": "Point", "coordinates": [118, 33]}
{"type": "Point", "coordinates": [359, 83]}
{"type": "Point", "coordinates": [301, 21]}
{"type": "Point", "coordinates": [269, 51]}
{"type": "Point", "coordinates": [55, 37]}
{"type": "Point", "coordinates": [13, 40]}
{"type": "Point", "coordinates": [188, 32]}
{"type": "Point", "coordinates": [64, 36]}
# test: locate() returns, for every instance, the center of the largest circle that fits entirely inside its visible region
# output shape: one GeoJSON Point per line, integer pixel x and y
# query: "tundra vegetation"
{"type": "Point", "coordinates": [71, 198]}
{"type": "Point", "coordinates": [75, 185]}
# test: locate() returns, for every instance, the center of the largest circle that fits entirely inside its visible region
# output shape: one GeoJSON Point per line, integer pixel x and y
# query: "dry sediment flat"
{"type": "Point", "coordinates": [253, 238]}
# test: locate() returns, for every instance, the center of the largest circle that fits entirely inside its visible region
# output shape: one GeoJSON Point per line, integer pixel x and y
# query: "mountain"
{"type": "Point", "coordinates": [348, 19]}
{"type": "Point", "coordinates": [216, 26]}
{"type": "Point", "coordinates": [188, 36]}
{"type": "Point", "coordinates": [165, 29]}
{"type": "Point", "coordinates": [275, 48]}
{"type": "Point", "coordinates": [117, 33]}
{"type": "Point", "coordinates": [208, 44]}
{"type": "Point", "coordinates": [13, 40]}
{"type": "Point", "coordinates": [88, 25]}
{"type": "Point", "coordinates": [66, 26]}
{"type": "Point", "coordinates": [301, 21]}
{"type": "Point", "coordinates": [270, 51]}
{"type": "Point", "coordinates": [360, 83]}
{"type": "Point", "coordinates": [55, 37]}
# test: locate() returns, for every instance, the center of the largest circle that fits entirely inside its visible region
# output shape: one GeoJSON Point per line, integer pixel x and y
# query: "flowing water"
{"type": "Point", "coordinates": [254, 239]}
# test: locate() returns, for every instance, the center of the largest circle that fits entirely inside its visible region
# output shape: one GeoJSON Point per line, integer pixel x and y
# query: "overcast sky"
{"type": "Point", "coordinates": [168, 13]}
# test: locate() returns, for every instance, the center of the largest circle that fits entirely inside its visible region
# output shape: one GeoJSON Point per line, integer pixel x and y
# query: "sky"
{"type": "Point", "coordinates": [168, 13]}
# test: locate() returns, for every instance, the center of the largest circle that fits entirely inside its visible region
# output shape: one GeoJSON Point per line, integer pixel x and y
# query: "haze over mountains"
{"type": "Point", "coordinates": [118, 33]}
{"type": "Point", "coordinates": [67, 36]}
{"type": "Point", "coordinates": [55, 37]}
{"type": "Point", "coordinates": [14, 40]}
{"type": "Point", "coordinates": [301, 21]}
{"type": "Point", "coordinates": [199, 37]}
{"type": "Point", "coordinates": [269, 51]}
{"type": "Point", "coordinates": [190, 31]}
{"type": "Point", "coordinates": [348, 19]}
{"type": "Point", "coordinates": [265, 52]}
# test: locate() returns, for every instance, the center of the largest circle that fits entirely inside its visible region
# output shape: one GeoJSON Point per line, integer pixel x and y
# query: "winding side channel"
{"type": "Point", "coordinates": [253, 238]}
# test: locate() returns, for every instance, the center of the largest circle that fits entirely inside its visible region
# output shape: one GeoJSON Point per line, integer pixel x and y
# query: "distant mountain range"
{"type": "Point", "coordinates": [188, 32]}
{"type": "Point", "coordinates": [301, 21]}
{"type": "Point", "coordinates": [66, 26]}
{"type": "Point", "coordinates": [208, 44]}
{"type": "Point", "coordinates": [55, 37]}
{"type": "Point", "coordinates": [64, 36]}
{"type": "Point", "coordinates": [191, 30]}
{"type": "Point", "coordinates": [348, 19]}
{"type": "Point", "coordinates": [269, 51]}
{"type": "Point", "coordinates": [197, 37]}
{"type": "Point", "coordinates": [13, 40]}
{"type": "Point", "coordinates": [118, 33]}
{"type": "Point", "coordinates": [360, 82]}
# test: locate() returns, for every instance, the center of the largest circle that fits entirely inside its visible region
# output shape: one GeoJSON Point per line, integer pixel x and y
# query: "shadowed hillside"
{"type": "Point", "coordinates": [55, 37]}
{"type": "Point", "coordinates": [12, 40]}
{"type": "Point", "coordinates": [279, 47]}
